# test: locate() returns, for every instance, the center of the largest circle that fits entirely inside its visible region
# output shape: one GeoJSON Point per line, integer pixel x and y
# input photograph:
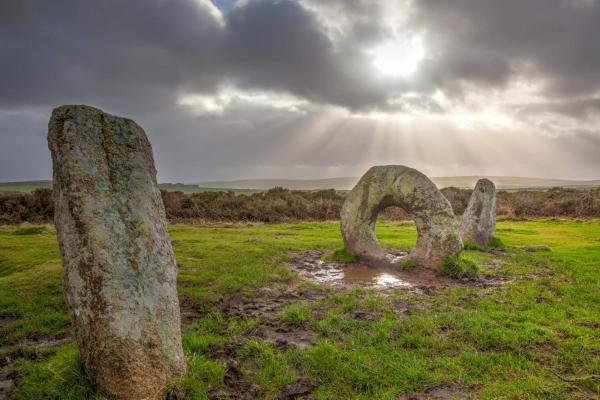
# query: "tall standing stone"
{"type": "Point", "coordinates": [119, 267]}
{"type": "Point", "coordinates": [407, 188]}
{"type": "Point", "coordinates": [479, 219]}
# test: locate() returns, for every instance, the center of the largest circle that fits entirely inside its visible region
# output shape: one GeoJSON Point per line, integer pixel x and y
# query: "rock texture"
{"type": "Point", "coordinates": [479, 219]}
{"type": "Point", "coordinates": [119, 267]}
{"type": "Point", "coordinates": [395, 185]}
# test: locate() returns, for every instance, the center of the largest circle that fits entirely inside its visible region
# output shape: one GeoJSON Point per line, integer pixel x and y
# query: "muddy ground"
{"type": "Point", "coordinates": [267, 304]}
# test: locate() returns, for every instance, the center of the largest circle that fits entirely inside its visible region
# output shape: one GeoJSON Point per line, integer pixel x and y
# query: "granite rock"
{"type": "Point", "coordinates": [119, 268]}
{"type": "Point", "coordinates": [395, 185]}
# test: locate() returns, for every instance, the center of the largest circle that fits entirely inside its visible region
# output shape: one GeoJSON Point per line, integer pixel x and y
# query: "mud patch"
{"type": "Point", "coordinates": [29, 349]}
{"type": "Point", "coordinates": [301, 388]}
{"type": "Point", "coordinates": [236, 387]}
{"type": "Point", "coordinates": [311, 266]}
{"type": "Point", "coordinates": [439, 392]}
{"type": "Point", "coordinates": [7, 379]}
{"type": "Point", "coordinates": [264, 302]}
{"type": "Point", "coordinates": [6, 321]}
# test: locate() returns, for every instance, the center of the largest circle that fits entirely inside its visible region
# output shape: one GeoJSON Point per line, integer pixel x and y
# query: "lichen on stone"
{"type": "Point", "coordinates": [407, 188]}
{"type": "Point", "coordinates": [479, 219]}
{"type": "Point", "coordinates": [119, 267]}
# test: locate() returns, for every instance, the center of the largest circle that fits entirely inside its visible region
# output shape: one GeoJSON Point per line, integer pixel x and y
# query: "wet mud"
{"type": "Point", "coordinates": [30, 349]}
{"type": "Point", "coordinates": [311, 266]}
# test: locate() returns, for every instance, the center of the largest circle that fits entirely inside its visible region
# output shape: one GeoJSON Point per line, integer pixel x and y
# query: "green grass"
{"type": "Point", "coordinates": [537, 336]}
{"type": "Point", "coordinates": [295, 315]}
{"type": "Point", "coordinates": [459, 267]}
{"type": "Point", "coordinates": [494, 244]}
{"type": "Point", "coordinates": [25, 186]}
{"type": "Point", "coordinates": [341, 256]}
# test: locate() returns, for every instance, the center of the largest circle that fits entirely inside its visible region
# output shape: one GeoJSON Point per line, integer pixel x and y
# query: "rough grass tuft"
{"type": "Point", "coordinates": [539, 248]}
{"type": "Point", "coordinates": [495, 244]}
{"type": "Point", "coordinates": [29, 230]}
{"type": "Point", "coordinates": [408, 264]}
{"type": "Point", "coordinates": [295, 315]}
{"type": "Point", "coordinates": [342, 256]}
{"type": "Point", "coordinates": [472, 246]}
{"type": "Point", "coordinates": [458, 267]}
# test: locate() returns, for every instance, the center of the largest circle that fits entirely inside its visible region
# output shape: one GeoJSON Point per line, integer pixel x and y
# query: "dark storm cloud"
{"type": "Point", "coordinates": [488, 42]}
{"type": "Point", "coordinates": [123, 54]}
{"type": "Point", "coordinates": [140, 54]}
{"type": "Point", "coordinates": [138, 57]}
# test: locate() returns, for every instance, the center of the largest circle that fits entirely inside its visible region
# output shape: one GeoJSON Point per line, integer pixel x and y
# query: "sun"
{"type": "Point", "coordinates": [398, 58]}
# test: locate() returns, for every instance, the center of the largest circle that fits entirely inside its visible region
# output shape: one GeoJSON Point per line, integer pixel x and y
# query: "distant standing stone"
{"type": "Point", "coordinates": [409, 189]}
{"type": "Point", "coordinates": [479, 219]}
{"type": "Point", "coordinates": [119, 267]}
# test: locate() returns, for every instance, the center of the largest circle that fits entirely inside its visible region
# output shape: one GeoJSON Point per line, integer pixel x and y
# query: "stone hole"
{"type": "Point", "coordinates": [395, 216]}
{"type": "Point", "coordinates": [409, 189]}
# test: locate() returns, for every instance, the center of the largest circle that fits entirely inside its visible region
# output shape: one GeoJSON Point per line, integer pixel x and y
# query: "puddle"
{"type": "Point", "coordinates": [336, 274]}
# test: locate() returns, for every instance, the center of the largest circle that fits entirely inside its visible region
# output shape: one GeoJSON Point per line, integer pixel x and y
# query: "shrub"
{"type": "Point", "coordinates": [284, 205]}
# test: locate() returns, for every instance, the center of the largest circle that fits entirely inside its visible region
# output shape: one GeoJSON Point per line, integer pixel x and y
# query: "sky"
{"type": "Point", "coordinates": [238, 89]}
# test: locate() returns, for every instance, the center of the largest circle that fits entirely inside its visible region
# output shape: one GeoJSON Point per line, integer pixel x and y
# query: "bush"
{"type": "Point", "coordinates": [458, 267]}
{"type": "Point", "coordinates": [283, 205]}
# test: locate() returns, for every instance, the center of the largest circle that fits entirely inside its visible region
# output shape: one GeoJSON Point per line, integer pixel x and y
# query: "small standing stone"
{"type": "Point", "coordinates": [479, 219]}
{"type": "Point", "coordinates": [409, 189]}
{"type": "Point", "coordinates": [119, 267]}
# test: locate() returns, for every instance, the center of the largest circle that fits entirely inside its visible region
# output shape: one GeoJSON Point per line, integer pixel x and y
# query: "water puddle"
{"type": "Point", "coordinates": [337, 274]}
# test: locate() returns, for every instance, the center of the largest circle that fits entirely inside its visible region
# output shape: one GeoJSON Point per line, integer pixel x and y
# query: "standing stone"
{"type": "Point", "coordinates": [119, 267]}
{"type": "Point", "coordinates": [409, 189]}
{"type": "Point", "coordinates": [479, 219]}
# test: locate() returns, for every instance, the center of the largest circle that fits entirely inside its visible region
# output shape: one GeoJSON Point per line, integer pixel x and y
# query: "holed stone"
{"type": "Point", "coordinates": [409, 189]}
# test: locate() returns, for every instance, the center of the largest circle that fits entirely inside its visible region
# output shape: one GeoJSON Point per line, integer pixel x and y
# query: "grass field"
{"type": "Point", "coordinates": [30, 186]}
{"type": "Point", "coordinates": [24, 187]}
{"type": "Point", "coordinates": [252, 327]}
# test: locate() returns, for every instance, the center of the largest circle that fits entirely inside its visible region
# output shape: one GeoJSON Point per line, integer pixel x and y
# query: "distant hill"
{"type": "Point", "coordinates": [295, 184]}
{"type": "Point", "coordinates": [346, 183]}
{"type": "Point", "coordinates": [30, 186]}
{"type": "Point", "coordinates": [256, 185]}
{"type": "Point", "coordinates": [24, 186]}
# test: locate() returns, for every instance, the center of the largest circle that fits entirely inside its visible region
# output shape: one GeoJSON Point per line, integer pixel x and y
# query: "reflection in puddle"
{"type": "Point", "coordinates": [350, 274]}
{"type": "Point", "coordinates": [395, 258]}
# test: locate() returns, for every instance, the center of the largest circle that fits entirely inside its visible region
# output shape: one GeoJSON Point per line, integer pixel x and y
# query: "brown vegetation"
{"type": "Point", "coordinates": [283, 205]}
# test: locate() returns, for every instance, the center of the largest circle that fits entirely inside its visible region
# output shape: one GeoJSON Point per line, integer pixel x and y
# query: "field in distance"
{"type": "Point", "coordinates": [30, 186]}
{"type": "Point", "coordinates": [248, 186]}
{"type": "Point", "coordinates": [347, 183]}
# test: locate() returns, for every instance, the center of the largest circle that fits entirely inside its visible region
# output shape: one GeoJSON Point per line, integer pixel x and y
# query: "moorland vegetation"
{"type": "Point", "coordinates": [283, 205]}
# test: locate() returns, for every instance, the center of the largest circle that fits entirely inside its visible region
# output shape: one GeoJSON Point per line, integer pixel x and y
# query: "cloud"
{"type": "Point", "coordinates": [271, 76]}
